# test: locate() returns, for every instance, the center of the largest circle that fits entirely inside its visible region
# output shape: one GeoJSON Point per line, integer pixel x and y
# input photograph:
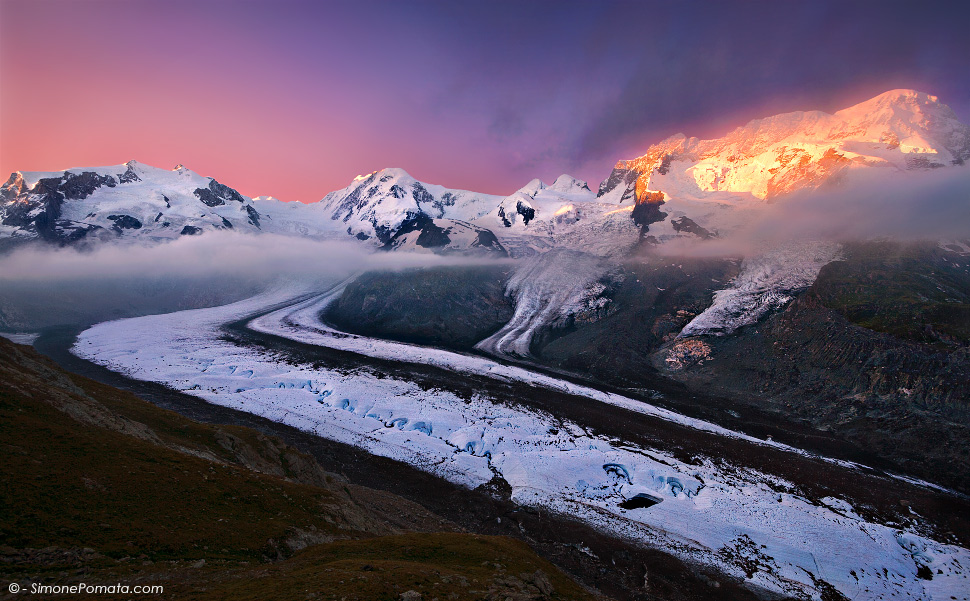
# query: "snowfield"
{"type": "Point", "coordinates": [718, 514]}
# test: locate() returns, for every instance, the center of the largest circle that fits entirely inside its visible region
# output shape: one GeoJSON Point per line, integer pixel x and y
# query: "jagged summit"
{"type": "Point", "coordinates": [765, 158]}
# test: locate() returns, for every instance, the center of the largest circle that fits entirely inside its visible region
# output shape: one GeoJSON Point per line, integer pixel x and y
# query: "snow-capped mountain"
{"type": "Point", "coordinates": [565, 214]}
{"type": "Point", "coordinates": [767, 158]}
{"type": "Point", "coordinates": [381, 202]}
{"type": "Point", "coordinates": [681, 188]}
{"type": "Point", "coordinates": [394, 210]}
{"type": "Point", "coordinates": [536, 200]}
{"type": "Point", "coordinates": [129, 201]}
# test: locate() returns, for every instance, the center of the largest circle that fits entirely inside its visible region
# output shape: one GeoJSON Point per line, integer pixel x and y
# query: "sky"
{"type": "Point", "coordinates": [295, 98]}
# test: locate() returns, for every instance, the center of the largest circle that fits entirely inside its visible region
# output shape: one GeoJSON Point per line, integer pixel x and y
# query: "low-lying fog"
{"type": "Point", "coordinates": [42, 286]}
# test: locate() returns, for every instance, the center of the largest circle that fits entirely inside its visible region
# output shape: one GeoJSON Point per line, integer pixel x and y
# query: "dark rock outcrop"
{"type": "Point", "coordinates": [218, 194]}
{"type": "Point", "coordinates": [487, 239]}
{"type": "Point", "coordinates": [527, 212]}
{"type": "Point", "coordinates": [129, 176]}
{"type": "Point", "coordinates": [620, 177]}
{"type": "Point", "coordinates": [12, 188]}
{"type": "Point", "coordinates": [454, 307]}
{"type": "Point", "coordinates": [877, 351]}
{"type": "Point", "coordinates": [422, 196]}
{"type": "Point", "coordinates": [688, 225]}
{"type": "Point", "coordinates": [431, 236]}
{"type": "Point", "coordinates": [647, 211]}
{"type": "Point", "coordinates": [39, 209]}
{"type": "Point", "coordinates": [253, 216]}
{"type": "Point", "coordinates": [505, 220]}
{"type": "Point", "coordinates": [78, 187]}
{"type": "Point", "coordinates": [125, 222]}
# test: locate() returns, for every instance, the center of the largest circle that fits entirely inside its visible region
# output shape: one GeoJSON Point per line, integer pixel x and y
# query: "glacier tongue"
{"type": "Point", "coordinates": [546, 289]}
{"type": "Point", "coordinates": [767, 281]}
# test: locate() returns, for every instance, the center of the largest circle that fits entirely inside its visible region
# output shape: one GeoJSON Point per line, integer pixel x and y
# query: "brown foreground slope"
{"type": "Point", "coordinates": [97, 486]}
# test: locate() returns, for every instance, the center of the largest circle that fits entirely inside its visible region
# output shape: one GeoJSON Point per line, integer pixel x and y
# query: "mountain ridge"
{"type": "Point", "coordinates": [706, 188]}
{"type": "Point", "coordinates": [775, 155]}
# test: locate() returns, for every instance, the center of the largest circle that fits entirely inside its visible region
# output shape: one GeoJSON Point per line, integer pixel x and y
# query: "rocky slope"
{"type": "Point", "coordinates": [447, 307]}
{"type": "Point", "coordinates": [876, 350]}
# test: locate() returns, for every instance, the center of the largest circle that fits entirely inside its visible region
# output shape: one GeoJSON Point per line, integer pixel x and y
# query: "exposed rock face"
{"type": "Point", "coordinates": [78, 187]}
{"type": "Point", "coordinates": [523, 208]}
{"type": "Point", "coordinates": [503, 218]}
{"type": "Point", "coordinates": [453, 307]}
{"type": "Point", "coordinates": [253, 216]}
{"type": "Point", "coordinates": [686, 224]}
{"type": "Point", "coordinates": [438, 235]}
{"type": "Point", "coordinates": [190, 230]}
{"type": "Point", "coordinates": [687, 352]}
{"type": "Point", "coordinates": [125, 222]}
{"type": "Point", "coordinates": [528, 213]}
{"type": "Point", "coordinates": [875, 351]}
{"type": "Point", "coordinates": [655, 300]}
{"type": "Point", "coordinates": [487, 240]}
{"type": "Point", "coordinates": [218, 194]}
{"type": "Point", "coordinates": [129, 176]}
{"type": "Point", "coordinates": [887, 395]}
{"type": "Point", "coordinates": [12, 188]}
{"type": "Point", "coordinates": [429, 236]}
{"type": "Point", "coordinates": [422, 196]}
{"type": "Point", "coordinates": [22, 211]}
{"type": "Point", "coordinates": [622, 178]}
{"type": "Point", "coordinates": [647, 210]}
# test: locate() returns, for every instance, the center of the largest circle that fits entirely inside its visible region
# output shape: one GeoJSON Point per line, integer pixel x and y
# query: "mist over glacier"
{"type": "Point", "coordinates": [42, 286]}
{"type": "Point", "coordinates": [263, 256]}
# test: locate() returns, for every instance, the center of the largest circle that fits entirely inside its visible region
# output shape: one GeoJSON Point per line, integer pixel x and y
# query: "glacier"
{"type": "Point", "coordinates": [710, 511]}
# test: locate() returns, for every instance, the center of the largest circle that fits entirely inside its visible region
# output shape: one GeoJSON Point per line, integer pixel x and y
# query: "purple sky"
{"type": "Point", "coordinates": [295, 98]}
